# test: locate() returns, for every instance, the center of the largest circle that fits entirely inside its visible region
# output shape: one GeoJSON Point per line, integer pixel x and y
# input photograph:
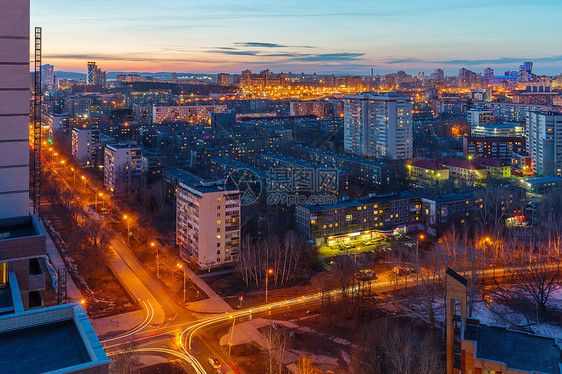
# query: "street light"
{"type": "Point", "coordinates": [183, 271]}
{"type": "Point", "coordinates": [84, 180]}
{"type": "Point", "coordinates": [96, 203]}
{"type": "Point", "coordinates": [269, 271]}
{"type": "Point", "coordinates": [73, 177]}
{"type": "Point", "coordinates": [153, 245]}
{"type": "Point", "coordinates": [420, 237]}
{"type": "Point", "coordinates": [128, 229]}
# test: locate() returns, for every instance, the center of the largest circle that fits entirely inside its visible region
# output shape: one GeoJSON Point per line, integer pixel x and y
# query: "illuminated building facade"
{"type": "Point", "coordinates": [378, 126]}
{"type": "Point", "coordinates": [365, 217]}
{"type": "Point", "coordinates": [122, 168]}
{"type": "Point", "coordinates": [544, 142]}
{"type": "Point", "coordinates": [207, 220]}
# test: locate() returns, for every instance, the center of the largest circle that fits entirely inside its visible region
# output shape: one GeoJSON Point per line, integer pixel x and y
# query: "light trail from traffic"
{"type": "Point", "coordinates": [147, 319]}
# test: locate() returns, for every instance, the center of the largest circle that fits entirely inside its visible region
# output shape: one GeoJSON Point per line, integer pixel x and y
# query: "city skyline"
{"type": "Point", "coordinates": [312, 37]}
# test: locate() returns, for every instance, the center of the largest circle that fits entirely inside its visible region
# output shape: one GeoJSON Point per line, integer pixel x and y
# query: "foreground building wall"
{"type": "Point", "coordinates": [14, 108]}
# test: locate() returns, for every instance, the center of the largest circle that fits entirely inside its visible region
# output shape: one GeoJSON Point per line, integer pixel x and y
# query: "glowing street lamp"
{"type": "Point", "coordinates": [183, 271]}
{"type": "Point", "coordinates": [153, 245]}
{"type": "Point", "coordinates": [96, 203]}
{"type": "Point", "coordinates": [128, 227]}
{"type": "Point", "coordinates": [269, 271]}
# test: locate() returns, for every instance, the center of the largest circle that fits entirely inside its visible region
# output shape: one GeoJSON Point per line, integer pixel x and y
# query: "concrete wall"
{"type": "Point", "coordinates": [14, 108]}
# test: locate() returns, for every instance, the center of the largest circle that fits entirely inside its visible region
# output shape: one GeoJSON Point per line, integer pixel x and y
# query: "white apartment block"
{"type": "Point", "coordinates": [207, 221]}
{"type": "Point", "coordinates": [476, 117]}
{"type": "Point", "coordinates": [378, 125]}
{"type": "Point", "coordinates": [196, 114]}
{"type": "Point", "coordinates": [86, 145]}
{"type": "Point", "coordinates": [122, 168]}
{"type": "Point", "coordinates": [544, 142]}
{"type": "Point", "coordinates": [14, 108]}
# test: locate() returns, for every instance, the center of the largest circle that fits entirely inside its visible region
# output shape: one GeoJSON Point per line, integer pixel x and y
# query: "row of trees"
{"type": "Point", "coordinates": [84, 237]}
{"type": "Point", "coordinates": [273, 255]}
{"type": "Point", "coordinates": [400, 349]}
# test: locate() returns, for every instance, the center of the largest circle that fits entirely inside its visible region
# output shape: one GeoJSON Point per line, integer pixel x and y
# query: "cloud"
{"type": "Point", "coordinates": [234, 52]}
{"type": "Point", "coordinates": [342, 56]}
{"type": "Point", "coordinates": [405, 60]}
{"type": "Point", "coordinates": [467, 62]}
{"type": "Point", "coordinates": [291, 56]}
{"type": "Point", "coordinates": [268, 45]}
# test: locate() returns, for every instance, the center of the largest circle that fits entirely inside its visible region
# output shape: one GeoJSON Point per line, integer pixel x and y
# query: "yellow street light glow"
{"type": "Point", "coordinates": [82, 301]}
{"type": "Point", "coordinates": [179, 265]}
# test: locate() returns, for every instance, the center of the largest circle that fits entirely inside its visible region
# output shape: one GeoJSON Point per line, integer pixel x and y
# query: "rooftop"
{"type": "Point", "coordinates": [500, 125]}
{"type": "Point", "coordinates": [450, 197]}
{"type": "Point", "coordinates": [123, 146]}
{"type": "Point", "coordinates": [49, 339]}
{"type": "Point", "coordinates": [517, 350]}
{"type": "Point", "coordinates": [430, 165]}
{"type": "Point", "coordinates": [17, 227]}
{"type": "Point", "coordinates": [540, 180]}
{"type": "Point", "coordinates": [292, 160]}
{"type": "Point", "coordinates": [343, 156]}
{"type": "Point", "coordinates": [194, 181]}
{"type": "Point", "coordinates": [463, 164]}
{"type": "Point", "coordinates": [235, 164]}
{"type": "Point", "coordinates": [362, 200]}
{"type": "Point", "coordinates": [491, 162]}
{"type": "Point", "coordinates": [54, 346]}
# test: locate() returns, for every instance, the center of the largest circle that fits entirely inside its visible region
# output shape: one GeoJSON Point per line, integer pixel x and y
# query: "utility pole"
{"type": "Point", "coordinates": [157, 267]}
{"type": "Point", "coordinates": [269, 271]}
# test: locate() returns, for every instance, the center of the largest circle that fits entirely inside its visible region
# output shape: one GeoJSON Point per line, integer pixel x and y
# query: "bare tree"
{"type": "Point", "coordinates": [126, 361]}
{"type": "Point", "coordinates": [539, 278]}
{"type": "Point", "coordinates": [305, 365]}
{"type": "Point", "coordinates": [401, 350]}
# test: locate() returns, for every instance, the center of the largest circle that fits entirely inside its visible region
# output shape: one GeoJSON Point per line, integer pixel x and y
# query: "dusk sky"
{"type": "Point", "coordinates": [323, 36]}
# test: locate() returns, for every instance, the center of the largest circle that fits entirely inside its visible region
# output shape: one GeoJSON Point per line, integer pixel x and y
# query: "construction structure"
{"type": "Point", "coordinates": [36, 170]}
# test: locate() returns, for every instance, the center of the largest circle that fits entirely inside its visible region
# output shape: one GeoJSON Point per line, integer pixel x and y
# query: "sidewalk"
{"type": "Point", "coordinates": [72, 292]}
{"type": "Point", "coordinates": [214, 304]}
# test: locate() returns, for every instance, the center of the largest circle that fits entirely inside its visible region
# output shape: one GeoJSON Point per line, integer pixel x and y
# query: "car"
{"type": "Point", "coordinates": [215, 363]}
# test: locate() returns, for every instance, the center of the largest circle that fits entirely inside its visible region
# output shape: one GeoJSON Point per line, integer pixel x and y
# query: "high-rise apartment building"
{"type": "Point", "coordinates": [95, 75]}
{"type": "Point", "coordinates": [544, 142]}
{"type": "Point", "coordinates": [122, 168]}
{"type": "Point", "coordinates": [91, 73]}
{"type": "Point", "coordinates": [223, 79]}
{"type": "Point", "coordinates": [14, 108]}
{"type": "Point", "coordinates": [378, 125]}
{"type": "Point", "coordinates": [207, 220]}
{"type": "Point", "coordinates": [48, 77]}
